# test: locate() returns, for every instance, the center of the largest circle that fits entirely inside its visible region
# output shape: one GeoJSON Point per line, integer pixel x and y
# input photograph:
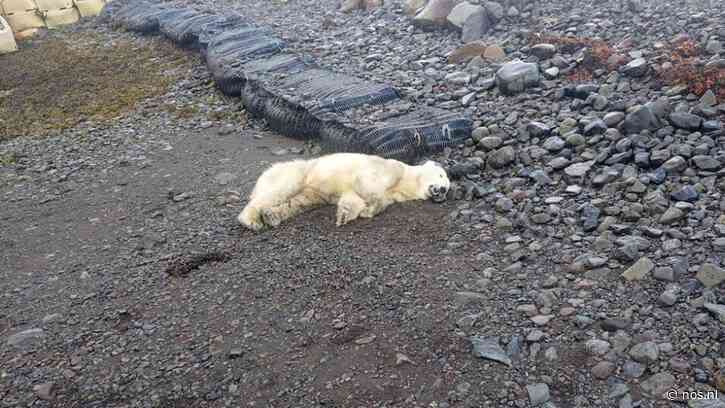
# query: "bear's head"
{"type": "Point", "coordinates": [433, 181]}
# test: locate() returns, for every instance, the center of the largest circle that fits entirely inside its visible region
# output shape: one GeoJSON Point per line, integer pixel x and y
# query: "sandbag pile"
{"type": "Point", "coordinates": [297, 97]}
{"type": "Point", "coordinates": [7, 41]}
{"type": "Point", "coordinates": [26, 17]}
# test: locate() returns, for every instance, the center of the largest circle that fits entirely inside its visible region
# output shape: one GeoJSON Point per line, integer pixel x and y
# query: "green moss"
{"type": "Point", "coordinates": [7, 159]}
{"type": "Point", "coordinates": [53, 84]}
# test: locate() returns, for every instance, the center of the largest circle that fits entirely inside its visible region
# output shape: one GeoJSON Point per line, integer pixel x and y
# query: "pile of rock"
{"type": "Point", "coordinates": [474, 20]}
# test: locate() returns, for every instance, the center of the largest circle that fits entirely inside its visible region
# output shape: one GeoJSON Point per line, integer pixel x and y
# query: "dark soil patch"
{"type": "Point", "coordinates": [53, 84]}
{"type": "Point", "coordinates": [184, 266]}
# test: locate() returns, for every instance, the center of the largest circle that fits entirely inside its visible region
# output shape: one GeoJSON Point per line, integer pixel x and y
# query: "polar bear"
{"type": "Point", "coordinates": [360, 185]}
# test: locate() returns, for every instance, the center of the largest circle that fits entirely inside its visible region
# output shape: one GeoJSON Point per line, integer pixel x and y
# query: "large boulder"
{"type": "Point", "coordinates": [476, 26]}
{"type": "Point", "coordinates": [435, 13]}
{"type": "Point", "coordinates": [461, 12]}
{"type": "Point", "coordinates": [494, 10]}
{"type": "Point", "coordinates": [350, 5]}
{"type": "Point", "coordinates": [645, 117]}
{"type": "Point", "coordinates": [372, 4]}
{"type": "Point", "coordinates": [516, 76]}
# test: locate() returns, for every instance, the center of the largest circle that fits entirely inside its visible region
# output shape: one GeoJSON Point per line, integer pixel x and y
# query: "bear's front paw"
{"type": "Point", "coordinates": [367, 212]}
{"type": "Point", "coordinates": [270, 217]}
{"type": "Point", "coordinates": [345, 214]}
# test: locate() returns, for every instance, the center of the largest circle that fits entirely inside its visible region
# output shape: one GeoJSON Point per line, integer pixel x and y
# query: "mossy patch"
{"type": "Point", "coordinates": [55, 83]}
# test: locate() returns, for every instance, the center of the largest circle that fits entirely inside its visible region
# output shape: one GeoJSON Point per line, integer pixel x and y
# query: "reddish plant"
{"type": "Point", "coordinates": [580, 74]}
{"type": "Point", "coordinates": [685, 69]}
{"type": "Point", "coordinates": [597, 53]}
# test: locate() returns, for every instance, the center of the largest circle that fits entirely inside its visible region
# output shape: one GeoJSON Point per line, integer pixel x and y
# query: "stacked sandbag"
{"type": "Point", "coordinates": [58, 13]}
{"type": "Point", "coordinates": [89, 8]}
{"type": "Point", "coordinates": [7, 40]}
{"type": "Point", "coordinates": [23, 16]}
{"type": "Point", "coordinates": [295, 96]}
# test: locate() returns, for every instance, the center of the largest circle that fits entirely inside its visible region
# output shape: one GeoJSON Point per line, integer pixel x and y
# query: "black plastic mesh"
{"type": "Point", "coordinates": [420, 133]}
{"type": "Point", "coordinates": [220, 23]}
{"type": "Point", "coordinates": [297, 98]}
{"type": "Point", "coordinates": [302, 99]}
{"type": "Point", "coordinates": [291, 120]}
{"type": "Point", "coordinates": [253, 96]}
{"type": "Point", "coordinates": [147, 21]}
{"type": "Point", "coordinates": [184, 29]}
{"type": "Point", "coordinates": [225, 60]}
{"type": "Point", "coordinates": [130, 10]}
{"type": "Point", "coordinates": [287, 63]}
{"type": "Point", "coordinates": [112, 8]}
{"type": "Point", "coordinates": [215, 29]}
{"type": "Point", "coordinates": [254, 99]}
{"type": "Point", "coordinates": [336, 137]}
{"type": "Point", "coordinates": [320, 90]}
{"type": "Point", "coordinates": [395, 130]}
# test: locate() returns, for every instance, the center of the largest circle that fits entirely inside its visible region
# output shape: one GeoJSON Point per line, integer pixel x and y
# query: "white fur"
{"type": "Point", "coordinates": [360, 185]}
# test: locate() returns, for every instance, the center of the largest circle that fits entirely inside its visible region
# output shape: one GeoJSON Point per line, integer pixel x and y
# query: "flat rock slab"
{"type": "Point", "coordinates": [489, 348]}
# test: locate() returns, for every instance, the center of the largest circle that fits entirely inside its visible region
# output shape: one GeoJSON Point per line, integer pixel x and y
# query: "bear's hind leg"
{"type": "Point", "coordinates": [251, 218]}
{"type": "Point", "coordinates": [348, 208]}
{"type": "Point", "coordinates": [306, 200]}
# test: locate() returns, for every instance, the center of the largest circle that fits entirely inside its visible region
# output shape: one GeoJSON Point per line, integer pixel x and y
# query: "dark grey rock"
{"type": "Point", "coordinates": [538, 129]}
{"type": "Point", "coordinates": [613, 118]}
{"type": "Point", "coordinates": [538, 394]}
{"type": "Point", "coordinates": [595, 127]}
{"type": "Point", "coordinates": [645, 353]}
{"type": "Point", "coordinates": [554, 144]}
{"type": "Point", "coordinates": [708, 163]}
{"type": "Point", "coordinates": [543, 51]}
{"type": "Point", "coordinates": [656, 385]}
{"type": "Point", "coordinates": [517, 76]}
{"type": "Point", "coordinates": [502, 157]}
{"type": "Point", "coordinates": [641, 118]}
{"type": "Point", "coordinates": [675, 165]}
{"type": "Point", "coordinates": [633, 369]}
{"type": "Point", "coordinates": [672, 215]}
{"type": "Point", "coordinates": [686, 121]}
{"type": "Point", "coordinates": [490, 349]}
{"type": "Point", "coordinates": [636, 68]}
{"type": "Point", "coordinates": [590, 218]}
{"type": "Point", "coordinates": [476, 26]}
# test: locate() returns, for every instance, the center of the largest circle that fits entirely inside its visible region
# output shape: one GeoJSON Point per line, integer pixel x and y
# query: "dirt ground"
{"type": "Point", "coordinates": [130, 283]}
{"type": "Point", "coordinates": [307, 314]}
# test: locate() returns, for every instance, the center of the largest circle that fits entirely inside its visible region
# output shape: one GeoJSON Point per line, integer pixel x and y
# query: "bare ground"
{"type": "Point", "coordinates": [119, 241]}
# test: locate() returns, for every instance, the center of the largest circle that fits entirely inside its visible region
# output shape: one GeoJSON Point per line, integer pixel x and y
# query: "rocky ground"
{"type": "Point", "coordinates": [578, 262]}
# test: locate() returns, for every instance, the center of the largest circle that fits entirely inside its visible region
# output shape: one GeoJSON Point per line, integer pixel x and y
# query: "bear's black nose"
{"type": "Point", "coordinates": [438, 193]}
